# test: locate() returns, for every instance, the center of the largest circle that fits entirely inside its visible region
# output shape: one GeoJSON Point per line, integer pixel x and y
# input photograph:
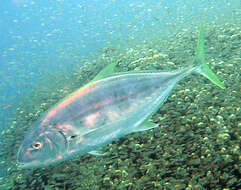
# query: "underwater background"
{"type": "Point", "coordinates": [50, 48]}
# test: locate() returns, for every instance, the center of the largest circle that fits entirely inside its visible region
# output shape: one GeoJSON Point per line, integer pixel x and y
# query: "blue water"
{"type": "Point", "coordinates": [38, 37]}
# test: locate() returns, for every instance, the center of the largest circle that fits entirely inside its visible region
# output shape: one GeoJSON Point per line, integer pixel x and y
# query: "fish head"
{"type": "Point", "coordinates": [41, 147]}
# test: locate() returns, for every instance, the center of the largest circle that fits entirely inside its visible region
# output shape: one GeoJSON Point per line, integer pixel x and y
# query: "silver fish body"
{"type": "Point", "coordinates": [95, 115]}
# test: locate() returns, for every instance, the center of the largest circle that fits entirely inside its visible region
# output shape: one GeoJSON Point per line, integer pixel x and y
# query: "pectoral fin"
{"type": "Point", "coordinates": [146, 125]}
{"type": "Point", "coordinates": [96, 153]}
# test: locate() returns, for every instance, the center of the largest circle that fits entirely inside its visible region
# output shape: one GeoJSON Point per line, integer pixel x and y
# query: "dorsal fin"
{"type": "Point", "coordinates": [107, 71]}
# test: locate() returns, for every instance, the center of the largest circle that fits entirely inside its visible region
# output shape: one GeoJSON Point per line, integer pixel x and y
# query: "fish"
{"type": "Point", "coordinates": [110, 106]}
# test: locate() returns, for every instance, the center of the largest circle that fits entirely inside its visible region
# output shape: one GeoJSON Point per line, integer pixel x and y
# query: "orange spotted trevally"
{"type": "Point", "coordinates": [109, 107]}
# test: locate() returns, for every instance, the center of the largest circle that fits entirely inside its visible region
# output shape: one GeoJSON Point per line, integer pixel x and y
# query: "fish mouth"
{"type": "Point", "coordinates": [20, 162]}
{"type": "Point", "coordinates": [38, 164]}
{"type": "Point", "coordinates": [30, 165]}
{"type": "Point", "coordinates": [23, 162]}
{"type": "Point", "coordinates": [33, 164]}
{"type": "Point", "coordinates": [21, 165]}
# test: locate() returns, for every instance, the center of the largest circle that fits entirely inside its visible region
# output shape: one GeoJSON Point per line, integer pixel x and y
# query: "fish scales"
{"type": "Point", "coordinates": [114, 95]}
{"type": "Point", "coordinates": [108, 106]}
{"type": "Point", "coordinates": [128, 94]}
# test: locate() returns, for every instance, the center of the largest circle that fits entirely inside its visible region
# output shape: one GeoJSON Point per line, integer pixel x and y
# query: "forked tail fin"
{"type": "Point", "coordinates": [201, 67]}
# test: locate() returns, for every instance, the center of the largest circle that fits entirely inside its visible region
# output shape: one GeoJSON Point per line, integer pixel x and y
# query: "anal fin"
{"type": "Point", "coordinates": [146, 125]}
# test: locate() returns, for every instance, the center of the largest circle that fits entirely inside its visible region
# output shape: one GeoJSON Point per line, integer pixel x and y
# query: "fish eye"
{"type": "Point", "coordinates": [37, 145]}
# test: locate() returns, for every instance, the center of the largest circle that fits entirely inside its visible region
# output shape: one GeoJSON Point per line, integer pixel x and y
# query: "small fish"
{"type": "Point", "coordinates": [107, 108]}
